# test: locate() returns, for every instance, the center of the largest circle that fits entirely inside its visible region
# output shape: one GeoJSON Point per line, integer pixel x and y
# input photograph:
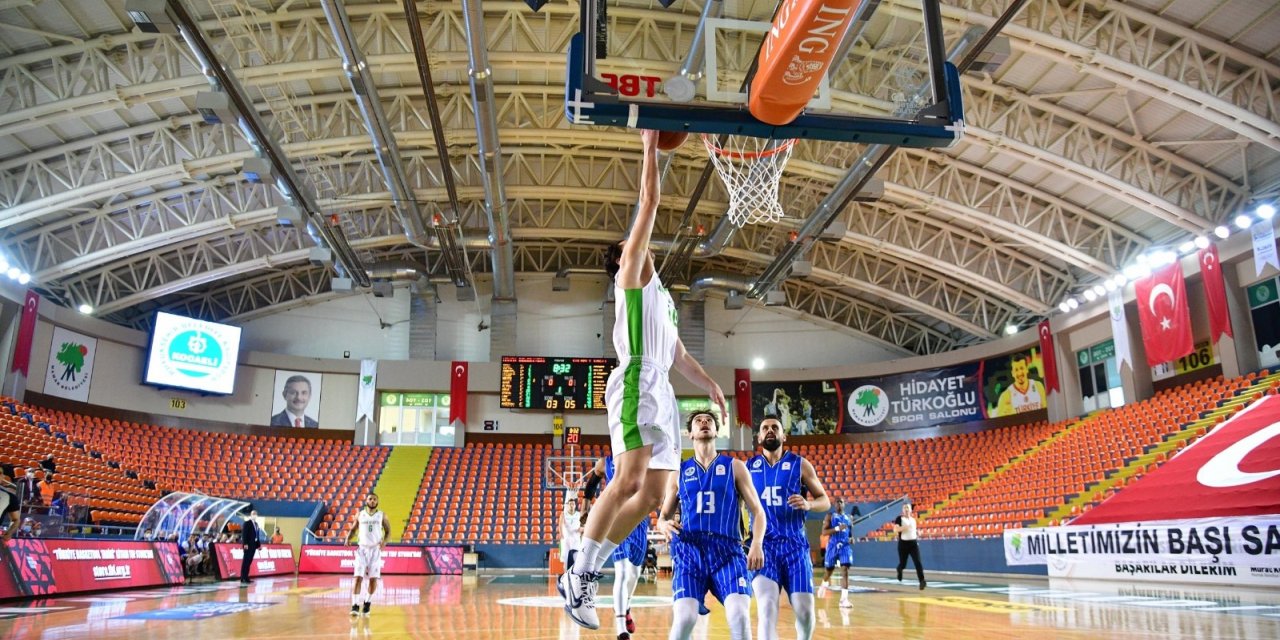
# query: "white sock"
{"type": "Point", "coordinates": [585, 562]}
{"type": "Point", "coordinates": [367, 597]}
{"type": "Point", "coordinates": [602, 555]}
{"type": "Point", "coordinates": [355, 598]}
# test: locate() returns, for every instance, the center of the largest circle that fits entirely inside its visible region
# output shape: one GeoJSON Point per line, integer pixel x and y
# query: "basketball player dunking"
{"type": "Point", "coordinates": [706, 547]}
{"type": "Point", "coordinates": [643, 418]}
{"type": "Point", "coordinates": [782, 479]}
{"type": "Point", "coordinates": [372, 529]}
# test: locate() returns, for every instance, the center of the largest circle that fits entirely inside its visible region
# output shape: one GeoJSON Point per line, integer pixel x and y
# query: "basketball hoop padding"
{"type": "Point", "coordinates": [805, 37]}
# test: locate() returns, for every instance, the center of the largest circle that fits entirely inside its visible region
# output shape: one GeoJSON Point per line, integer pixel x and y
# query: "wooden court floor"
{"type": "Point", "coordinates": [500, 607]}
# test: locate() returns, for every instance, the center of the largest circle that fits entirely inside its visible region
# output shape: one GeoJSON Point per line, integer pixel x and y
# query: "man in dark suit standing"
{"type": "Point", "coordinates": [297, 395]}
{"type": "Point", "coordinates": [249, 539]}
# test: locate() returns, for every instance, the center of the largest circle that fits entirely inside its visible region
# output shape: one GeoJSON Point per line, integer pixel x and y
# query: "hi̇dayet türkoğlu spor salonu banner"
{"type": "Point", "coordinates": [996, 387]}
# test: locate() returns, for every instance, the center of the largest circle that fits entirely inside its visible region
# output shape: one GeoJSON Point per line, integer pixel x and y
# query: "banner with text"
{"type": "Point", "coordinates": [270, 560]}
{"type": "Point", "coordinates": [396, 559]}
{"type": "Point", "coordinates": [1234, 551]}
{"type": "Point", "coordinates": [47, 567]}
{"type": "Point", "coordinates": [948, 395]}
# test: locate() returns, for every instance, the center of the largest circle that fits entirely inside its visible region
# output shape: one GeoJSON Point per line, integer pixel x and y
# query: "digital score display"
{"type": "Point", "coordinates": [554, 384]}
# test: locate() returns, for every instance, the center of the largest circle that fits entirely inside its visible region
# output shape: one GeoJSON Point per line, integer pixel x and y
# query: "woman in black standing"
{"type": "Point", "coordinates": [908, 542]}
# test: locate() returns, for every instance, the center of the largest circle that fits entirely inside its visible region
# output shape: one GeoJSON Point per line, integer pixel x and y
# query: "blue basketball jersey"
{"type": "Point", "coordinates": [775, 483]}
{"type": "Point", "coordinates": [837, 519]}
{"type": "Point", "coordinates": [609, 469]}
{"type": "Point", "coordinates": [709, 498]}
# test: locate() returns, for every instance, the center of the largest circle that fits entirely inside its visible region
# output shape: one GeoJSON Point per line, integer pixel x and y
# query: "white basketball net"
{"type": "Point", "coordinates": [751, 169]}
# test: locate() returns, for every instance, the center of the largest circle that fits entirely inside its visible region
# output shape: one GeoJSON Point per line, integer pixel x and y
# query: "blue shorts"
{"type": "Point", "coordinates": [633, 548]}
{"type": "Point", "coordinates": [787, 563]}
{"type": "Point", "coordinates": [839, 553]}
{"type": "Point", "coordinates": [702, 563]}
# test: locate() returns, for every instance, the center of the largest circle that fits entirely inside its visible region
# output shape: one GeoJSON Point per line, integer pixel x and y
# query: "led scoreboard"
{"type": "Point", "coordinates": [556, 384]}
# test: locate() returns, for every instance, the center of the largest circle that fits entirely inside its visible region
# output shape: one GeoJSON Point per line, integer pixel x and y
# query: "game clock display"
{"type": "Point", "coordinates": [555, 384]}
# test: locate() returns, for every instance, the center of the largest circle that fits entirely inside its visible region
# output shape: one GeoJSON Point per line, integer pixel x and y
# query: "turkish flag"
{"type": "Point", "coordinates": [1233, 471]}
{"type": "Point", "coordinates": [26, 333]}
{"type": "Point", "coordinates": [458, 393]}
{"type": "Point", "coordinates": [1215, 293]}
{"type": "Point", "coordinates": [742, 395]}
{"type": "Point", "coordinates": [1164, 315]}
{"type": "Point", "coordinates": [1048, 358]}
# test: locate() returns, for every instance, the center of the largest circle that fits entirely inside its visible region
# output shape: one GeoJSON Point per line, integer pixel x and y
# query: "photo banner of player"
{"type": "Point", "coordinates": [1013, 384]}
{"type": "Point", "coordinates": [269, 560]}
{"type": "Point", "coordinates": [804, 408]}
{"type": "Point", "coordinates": [1232, 551]}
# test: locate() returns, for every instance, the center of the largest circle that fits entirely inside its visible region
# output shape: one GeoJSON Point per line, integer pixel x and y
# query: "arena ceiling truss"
{"type": "Point", "coordinates": [1112, 128]}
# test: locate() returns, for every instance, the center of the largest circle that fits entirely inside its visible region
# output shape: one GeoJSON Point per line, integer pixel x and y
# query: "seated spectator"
{"type": "Point", "coordinates": [49, 465]}
{"type": "Point", "coordinates": [37, 530]}
{"type": "Point", "coordinates": [27, 529]}
{"type": "Point", "coordinates": [149, 534]}
{"type": "Point", "coordinates": [277, 537]}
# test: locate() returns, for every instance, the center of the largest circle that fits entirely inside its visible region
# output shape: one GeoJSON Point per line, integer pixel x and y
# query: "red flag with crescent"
{"type": "Point", "coordinates": [458, 393]}
{"type": "Point", "coordinates": [26, 333]}
{"type": "Point", "coordinates": [742, 396]}
{"type": "Point", "coordinates": [1164, 314]}
{"type": "Point", "coordinates": [1048, 358]}
{"type": "Point", "coordinates": [1215, 293]}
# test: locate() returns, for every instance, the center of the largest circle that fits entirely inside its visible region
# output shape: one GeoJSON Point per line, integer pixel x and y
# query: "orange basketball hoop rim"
{"type": "Point", "coordinates": [709, 141]}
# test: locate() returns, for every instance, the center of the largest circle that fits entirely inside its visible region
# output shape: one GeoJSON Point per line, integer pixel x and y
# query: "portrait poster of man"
{"type": "Point", "coordinates": [297, 400]}
{"type": "Point", "coordinates": [804, 408]}
{"type": "Point", "coordinates": [1014, 384]}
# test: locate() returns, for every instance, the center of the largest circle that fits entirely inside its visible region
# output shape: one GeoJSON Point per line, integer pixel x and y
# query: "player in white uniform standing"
{"type": "Point", "coordinates": [644, 422]}
{"type": "Point", "coordinates": [372, 530]}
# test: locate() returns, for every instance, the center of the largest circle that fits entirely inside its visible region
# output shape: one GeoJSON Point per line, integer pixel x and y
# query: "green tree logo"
{"type": "Point", "coordinates": [869, 400]}
{"type": "Point", "coordinates": [868, 405]}
{"type": "Point", "coordinates": [71, 356]}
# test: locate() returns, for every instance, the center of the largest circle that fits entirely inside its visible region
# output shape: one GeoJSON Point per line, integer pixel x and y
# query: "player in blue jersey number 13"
{"type": "Point", "coordinates": [706, 547]}
{"type": "Point", "coordinates": [789, 488]}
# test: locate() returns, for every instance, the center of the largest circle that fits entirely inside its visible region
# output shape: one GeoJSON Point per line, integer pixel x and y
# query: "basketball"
{"type": "Point", "coordinates": [671, 140]}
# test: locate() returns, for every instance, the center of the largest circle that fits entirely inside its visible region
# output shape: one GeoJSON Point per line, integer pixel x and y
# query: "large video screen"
{"type": "Point", "coordinates": [186, 353]}
{"type": "Point", "coordinates": [555, 384]}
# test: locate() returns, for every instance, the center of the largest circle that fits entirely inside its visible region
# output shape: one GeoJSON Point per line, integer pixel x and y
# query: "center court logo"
{"type": "Point", "coordinates": [868, 405]}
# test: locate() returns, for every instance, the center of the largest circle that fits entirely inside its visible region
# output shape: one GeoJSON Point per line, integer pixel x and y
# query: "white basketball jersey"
{"type": "Point", "coordinates": [1029, 401]}
{"type": "Point", "coordinates": [644, 327]}
{"type": "Point", "coordinates": [370, 534]}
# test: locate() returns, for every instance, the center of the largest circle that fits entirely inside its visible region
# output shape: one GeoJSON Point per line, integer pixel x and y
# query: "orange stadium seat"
{"type": "Point", "coordinates": [222, 464]}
